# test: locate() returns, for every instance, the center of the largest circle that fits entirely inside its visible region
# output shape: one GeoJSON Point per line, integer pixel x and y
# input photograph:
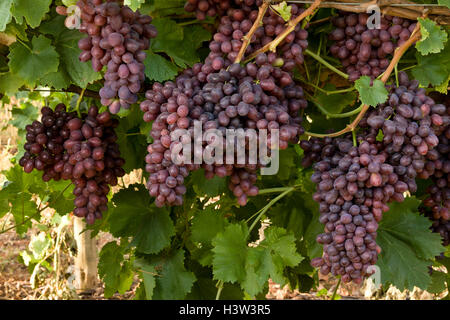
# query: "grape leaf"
{"type": "Point", "coordinates": [283, 10]}
{"type": "Point", "coordinates": [203, 186]}
{"type": "Point", "coordinates": [22, 115]}
{"type": "Point", "coordinates": [112, 268]}
{"type": "Point", "coordinates": [438, 280]}
{"type": "Point", "coordinates": [230, 250]}
{"type": "Point", "coordinates": [134, 4]}
{"type": "Point", "coordinates": [158, 68]}
{"type": "Point", "coordinates": [269, 259]}
{"type": "Point", "coordinates": [135, 215]}
{"type": "Point", "coordinates": [31, 63]}
{"type": "Point", "coordinates": [407, 244]}
{"type": "Point", "coordinates": [32, 10]}
{"type": "Point", "coordinates": [132, 143]}
{"type": "Point", "coordinates": [10, 83]}
{"type": "Point", "coordinates": [207, 224]}
{"type": "Point", "coordinates": [58, 80]}
{"type": "Point", "coordinates": [39, 244]}
{"type": "Point", "coordinates": [371, 95]}
{"type": "Point", "coordinates": [206, 289]}
{"type": "Point", "coordinates": [23, 208]}
{"type": "Point", "coordinates": [66, 44]}
{"type": "Point", "coordinates": [166, 8]}
{"type": "Point", "coordinates": [174, 282]}
{"type": "Point", "coordinates": [148, 273]}
{"type": "Point", "coordinates": [5, 14]}
{"type": "Point", "coordinates": [433, 69]}
{"type": "Point", "coordinates": [444, 3]}
{"type": "Point", "coordinates": [178, 43]}
{"type": "Point", "coordinates": [433, 37]}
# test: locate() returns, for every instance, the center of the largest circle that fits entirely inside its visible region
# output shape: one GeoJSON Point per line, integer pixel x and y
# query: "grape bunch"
{"type": "Point", "coordinates": [353, 186]}
{"type": "Point", "coordinates": [83, 150]}
{"type": "Point", "coordinates": [363, 51]}
{"type": "Point", "coordinates": [355, 183]}
{"type": "Point", "coordinates": [44, 147]}
{"type": "Point", "coordinates": [409, 121]}
{"type": "Point", "coordinates": [117, 38]}
{"type": "Point", "coordinates": [229, 38]}
{"type": "Point", "coordinates": [254, 97]}
{"type": "Point", "coordinates": [436, 205]}
{"type": "Point", "coordinates": [93, 162]}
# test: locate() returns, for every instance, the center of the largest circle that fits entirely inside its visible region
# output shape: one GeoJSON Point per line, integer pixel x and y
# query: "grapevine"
{"type": "Point", "coordinates": [223, 144]}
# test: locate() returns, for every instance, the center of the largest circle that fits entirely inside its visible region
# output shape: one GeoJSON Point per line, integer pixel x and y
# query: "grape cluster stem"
{"type": "Point", "coordinates": [290, 27]}
{"type": "Point", "coordinates": [248, 37]}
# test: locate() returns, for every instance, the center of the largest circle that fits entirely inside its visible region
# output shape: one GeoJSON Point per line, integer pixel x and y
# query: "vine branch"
{"type": "Point", "coordinates": [248, 37]}
{"type": "Point", "coordinates": [290, 27]}
{"type": "Point", "coordinates": [399, 52]}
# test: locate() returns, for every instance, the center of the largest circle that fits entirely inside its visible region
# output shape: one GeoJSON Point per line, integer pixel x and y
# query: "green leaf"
{"type": "Point", "coordinates": [438, 280]}
{"type": "Point", "coordinates": [178, 43]}
{"type": "Point", "coordinates": [173, 282]}
{"type": "Point", "coordinates": [148, 273]}
{"type": "Point", "coordinates": [31, 63]}
{"type": "Point", "coordinates": [230, 250]}
{"type": "Point", "coordinates": [206, 289]}
{"type": "Point", "coordinates": [283, 10]}
{"type": "Point", "coordinates": [207, 224]}
{"type": "Point", "coordinates": [135, 215]}
{"type": "Point", "coordinates": [22, 115]}
{"type": "Point", "coordinates": [401, 251]}
{"type": "Point", "coordinates": [10, 83]}
{"type": "Point", "coordinates": [444, 3]}
{"type": "Point", "coordinates": [32, 10]}
{"type": "Point", "coordinates": [5, 14]}
{"type": "Point", "coordinates": [276, 252]}
{"type": "Point", "coordinates": [158, 68]}
{"type": "Point", "coordinates": [23, 208]}
{"type": "Point", "coordinates": [334, 103]}
{"type": "Point", "coordinates": [113, 270]}
{"type": "Point", "coordinates": [371, 95]}
{"type": "Point", "coordinates": [39, 245]}
{"type": "Point", "coordinates": [66, 44]}
{"type": "Point", "coordinates": [433, 69]}
{"type": "Point", "coordinates": [134, 4]}
{"type": "Point", "coordinates": [132, 143]}
{"type": "Point", "coordinates": [433, 37]}
{"type": "Point", "coordinates": [207, 187]}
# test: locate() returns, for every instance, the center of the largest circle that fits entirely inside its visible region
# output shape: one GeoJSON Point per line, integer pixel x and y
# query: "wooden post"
{"type": "Point", "coordinates": [86, 259]}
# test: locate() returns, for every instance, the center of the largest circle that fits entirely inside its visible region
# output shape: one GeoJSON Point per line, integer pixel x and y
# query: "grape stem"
{"type": "Point", "coordinates": [326, 64]}
{"type": "Point", "coordinates": [219, 289]}
{"type": "Point", "coordinates": [80, 98]}
{"type": "Point", "coordinates": [399, 52]}
{"type": "Point", "coordinates": [272, 46]}
{"type": "Point", "coordinates": [248, 37]}
{"type": "Point", "coordinates": [268, 206]}
{"type": "Point", "coordinates": [334, 115]}
{"type": "Point", "coordinates": [336, 289]}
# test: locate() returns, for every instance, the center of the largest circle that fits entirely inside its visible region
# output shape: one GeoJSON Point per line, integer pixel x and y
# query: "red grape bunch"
{"type": "Point", "coordinates": [83, 150]}
{"type": "Point", "coordinates": [366, 52]}
{"type": "Point", "coordinates": [44, 147]}
{"type": "Point", "coordinates": [94, 162]}
{"type": "Point", "coordinates": [228, 40]}
{"type": "Point", "coordinates": [117, 38]}
{"type": "Point", "coordinates": [257, 96]}
{"type": "Point", "coordinates": [355, 183]}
